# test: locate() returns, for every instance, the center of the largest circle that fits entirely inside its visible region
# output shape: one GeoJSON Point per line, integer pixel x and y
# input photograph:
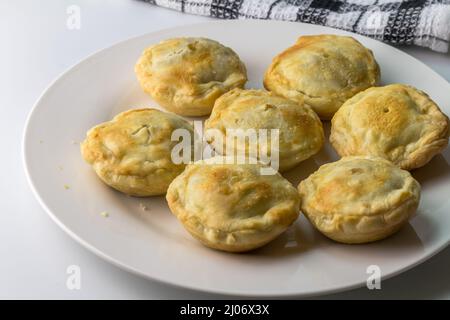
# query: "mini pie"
{"type": "Point", "coordinates": [323, 71]}
{"type": "Point", "coordinates": [232, 207]}
{"type": "Point", "coordinates": [186, 75]}
{"type": "Point", "coordinates": [396, 122]}
{"type": "Point", "coordinates": [359, 199]}
{"type": "Point", "coordinates": [132, 153]}
{"type": "Point", "coordinates": [300, 130]}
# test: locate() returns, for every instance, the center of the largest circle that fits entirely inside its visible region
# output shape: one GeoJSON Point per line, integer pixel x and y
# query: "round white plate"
{"type": "Point", "coordinates": [152, 243]}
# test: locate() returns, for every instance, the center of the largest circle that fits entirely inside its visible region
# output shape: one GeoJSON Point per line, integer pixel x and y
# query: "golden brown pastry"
{"type": "Point", "coordinates": [396, 122]}
{"type": "Point", "coordinates": [232, 207]}
{"type": "Point", "coordinates": [359, 199]}
{"type": "Point", "coordinates": [186, 75]}
{"type": "Point", "coordinates": [322, 71]}
{"type": "Point", "coordinates": [132, 152]}
{"type": "Point", "coordinates": [300, 130]}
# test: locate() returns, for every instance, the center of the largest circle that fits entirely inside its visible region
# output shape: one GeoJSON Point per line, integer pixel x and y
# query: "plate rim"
{"type": "Point", "coordinates": [122, 265]}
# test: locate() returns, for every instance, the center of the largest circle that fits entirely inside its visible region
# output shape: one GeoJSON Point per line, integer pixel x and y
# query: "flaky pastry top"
{"type": "Point", "coordinates": [300, 130]}
{"type": "Point", "coordinates": [226, 203]}
{"type": "Point", "coordinates": [324, 71]}
{"type": "Point", "coordinates": [132, 152]}
{"type": "Point", "coordinates": [359, 185]}
{"type": "Point", "coordinates": [396, 122]}
{"type": "Point", "coordinates": [186, 75]}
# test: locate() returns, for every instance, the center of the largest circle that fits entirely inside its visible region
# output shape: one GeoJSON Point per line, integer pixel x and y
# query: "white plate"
{"type": "Point", "coordinates": [152, 243]}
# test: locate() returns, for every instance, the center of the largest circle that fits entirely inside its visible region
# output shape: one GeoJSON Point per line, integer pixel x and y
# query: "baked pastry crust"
{"type": "Point", "coordinates": [359, 199]}
{"type": "Point", "coordinates": [300, 129]}
{"type": "Point", "coordinates": [396, 122]}
{"type": "Point", "coordinates": [186, 75]}
{"type": "Point", "coordinates": [232, 207]}
{"type": "Point", "coordinates": [132, 152]}
{"type": "Point", "coordinates": [323, 71]}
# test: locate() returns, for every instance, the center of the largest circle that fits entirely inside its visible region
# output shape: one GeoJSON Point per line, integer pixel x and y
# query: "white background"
{"type": "Point", "coordinates": [36, 47]}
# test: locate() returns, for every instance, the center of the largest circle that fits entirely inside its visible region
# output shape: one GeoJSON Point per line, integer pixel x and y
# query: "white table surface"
{"type": "Point", "coordinates": [36, 47]}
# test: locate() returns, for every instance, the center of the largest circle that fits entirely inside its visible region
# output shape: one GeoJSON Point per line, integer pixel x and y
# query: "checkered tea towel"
{"type": "Point", "coordinates": [401, 22]}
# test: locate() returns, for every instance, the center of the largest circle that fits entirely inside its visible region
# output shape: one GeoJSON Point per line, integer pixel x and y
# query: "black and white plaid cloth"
{"type": "Point", "coordinates": [401, 22]}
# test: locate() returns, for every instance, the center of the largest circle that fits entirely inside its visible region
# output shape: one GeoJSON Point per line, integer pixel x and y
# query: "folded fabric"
{"type": "Point", "coordinates": [400, 22]}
